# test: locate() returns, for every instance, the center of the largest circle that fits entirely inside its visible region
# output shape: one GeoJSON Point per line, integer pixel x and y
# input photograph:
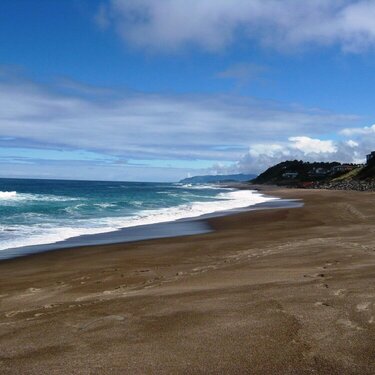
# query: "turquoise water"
{"type": "Point", "coordinates": [34, 212]}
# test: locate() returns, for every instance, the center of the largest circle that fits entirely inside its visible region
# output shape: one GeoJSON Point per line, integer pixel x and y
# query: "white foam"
{"type": "Point", "coordinates": [47, 234]}
{"type": "Point", "coordinates": [8, 195]}
{"type": "Point", "coordinates": [13, 196]}
{"type": "Point", "coordinates": [104, 205]}
{"type": "Point", "coordinates": [74, 209]}
{"type": "Point", "coordinates": [200, 186]}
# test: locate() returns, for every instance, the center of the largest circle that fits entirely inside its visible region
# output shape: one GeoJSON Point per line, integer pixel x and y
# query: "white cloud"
{"type": "Point", "coordinates": [309, 145]}
{"type": "Point", "coordinates": [358, 131]}
{"type": "Point", "coordinates": [215, 24]}
{"type": "Point", "coordinates": [268, 150]}
{"type": "Point", "coordinates": [352, 143]}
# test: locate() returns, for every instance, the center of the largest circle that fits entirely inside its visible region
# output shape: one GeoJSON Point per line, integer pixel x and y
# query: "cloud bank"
{"type": "Point", "coordinates": [216, 24]}
{"type": "Point", "coordinates": [171, 135]}
{"type": "Point", "coordinates": [141, 125]}
{"type": "Point", "coordinates": [262, 156]}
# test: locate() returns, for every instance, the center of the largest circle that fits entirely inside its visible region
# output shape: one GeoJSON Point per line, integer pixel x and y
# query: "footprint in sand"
{"type": "Point", "coordinates": [316, 276]}
{"type": "Point", "coordinates": [364, 306]}
{"type": "Point", "coordinates": [339, 292]}
{"type": "Point", "coordinates": [50, 305]}
{"type": "Point", "coordinates": [34, 290]}
{"type": "Point", "coordinates": [203, 269]}
{"type": "Point", "coordinates": [90, 323]}
{"type": "Point", "coordinates": [349, 324]}
{"type": "Point", "coordinates": [10, 314]}
{"type": "Point", "coordinates": [322, 304]}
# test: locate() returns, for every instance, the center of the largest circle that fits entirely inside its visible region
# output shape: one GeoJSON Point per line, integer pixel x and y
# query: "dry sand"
{"type": "Point", "coordinates": [285, 291]}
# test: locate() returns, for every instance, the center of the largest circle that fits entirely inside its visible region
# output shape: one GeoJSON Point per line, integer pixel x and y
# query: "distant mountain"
{"type": "Point", "coordinates": [218, 178]}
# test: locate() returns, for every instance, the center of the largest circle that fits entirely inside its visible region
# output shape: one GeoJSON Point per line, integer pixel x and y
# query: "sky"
{"type": "Point", "coordinates": [158, 90]}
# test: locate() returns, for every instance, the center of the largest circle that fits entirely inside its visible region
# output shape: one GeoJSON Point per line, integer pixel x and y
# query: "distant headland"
{"type": "Point", "coordinates": [218, 178]}
{"type": "Point", "coordinates": [323, 175]}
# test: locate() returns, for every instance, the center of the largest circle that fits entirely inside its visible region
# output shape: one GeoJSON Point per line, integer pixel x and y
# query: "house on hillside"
{"type": "Point", "coordinates": [290, 175]}
{"type": "Point", "coordinates": [343, 168]}
{"type": "Point", "coordinates": [319, 172]}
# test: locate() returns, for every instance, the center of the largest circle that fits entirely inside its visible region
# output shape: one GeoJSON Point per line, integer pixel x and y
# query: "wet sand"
{"type": "Point", "coordinates": [282, 291]}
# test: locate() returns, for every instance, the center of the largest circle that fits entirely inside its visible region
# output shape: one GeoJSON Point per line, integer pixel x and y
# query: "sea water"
{"type": "Point", "coordinates": [36, 212]}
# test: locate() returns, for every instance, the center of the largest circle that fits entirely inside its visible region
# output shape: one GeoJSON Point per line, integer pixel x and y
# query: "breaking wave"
{"type": "Point", "coordinates": [13, 196]}
{"type": "Point", "coordinates": [67, 227]}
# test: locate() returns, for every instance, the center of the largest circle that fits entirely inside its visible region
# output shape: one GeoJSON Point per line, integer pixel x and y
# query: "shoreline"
{"type": "Point", "coordinates": [268, 291]}
{"type": "Point", "coordinates": [176, 228]}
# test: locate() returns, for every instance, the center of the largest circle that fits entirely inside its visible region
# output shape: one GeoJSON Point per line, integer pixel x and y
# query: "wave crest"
{"type": "Point", "coordinates": [15, 196]}
{"type": "Point", "coordinates": [8, 195]}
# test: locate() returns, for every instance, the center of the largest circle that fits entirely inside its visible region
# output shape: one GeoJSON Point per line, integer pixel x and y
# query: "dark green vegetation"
{"type": "Point", "coordinates": [305, 174]}
{"type": "Point", "coordinates": [278, 174]}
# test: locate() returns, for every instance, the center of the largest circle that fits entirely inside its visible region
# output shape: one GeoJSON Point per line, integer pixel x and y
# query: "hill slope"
{"type": "Point", "coordinates": [303, 171]}
{"type": "Point", "coordinates": [320, 175]}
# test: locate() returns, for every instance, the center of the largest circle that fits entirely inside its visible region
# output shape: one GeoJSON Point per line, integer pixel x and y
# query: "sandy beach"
{"type": "Point", "coordinates": [281, 291]}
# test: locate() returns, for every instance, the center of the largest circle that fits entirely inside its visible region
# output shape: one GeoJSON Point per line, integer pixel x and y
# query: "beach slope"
{"type": "Point", "coordinates": [282, 291]}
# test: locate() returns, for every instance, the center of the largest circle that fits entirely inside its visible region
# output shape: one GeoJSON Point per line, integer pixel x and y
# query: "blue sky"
{"type": "Point", "coordinates": [160, 89]}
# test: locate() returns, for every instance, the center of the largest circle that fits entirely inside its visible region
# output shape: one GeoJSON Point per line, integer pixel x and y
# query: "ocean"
{"type": "Point", "coordinates": [38, 212]}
